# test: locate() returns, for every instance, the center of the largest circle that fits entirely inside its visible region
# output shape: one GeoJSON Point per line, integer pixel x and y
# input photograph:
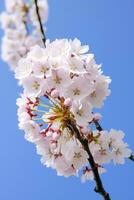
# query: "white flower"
{"type": "Point", "coordinates": [59, 79]}
{"type": "Point", "coordinates": [82, 112]}
{"type": "Point", "coordinates": [88, 174]}
{"type": "Point", "coordinates": [80, 158]}
{"type": "Point", "coordinates": [13, 5]}
{"type": "Point", "coordinates": [76, 47]}
{"type": "Point", "coordinates": [79, 89]}
{"type": "Point", "coordinates": [32, 131]}
{"type": "Point", "coordinates": [24, 69]}
{"type": "Point", "coordinates": [9, 21]}
{"type": "Point", "coordinates": [58, 48]}
{"type": "Point", "coordinates": [120, 153]}
{"type": "Point", "coordinates": [48, 158]}
{"type": "Point", "coordinates": [33, 86]}
{"type": "Point", "coordinates": [102, 156]}
{"type": "Point", "coordinates": [23, 117]}
{"type": "Point", "coordinates": [76, 64]}
{"type": "Point", "coordinates": [75, 154]}
{"type": "Point", "coordinates": [93, 70]}
{"type": "Point", "coordinates": [63, 168]}
{"type": "Point", "coordinates": [42, 145]}
{"type": "Point", "coordinates": [56, 62]}
{"type": "Point", "coordinates": [100, 92]}
{"type": "Point", "coordinates": [114, 138]}
{"type": "Point", "coordinates": [41, 69]}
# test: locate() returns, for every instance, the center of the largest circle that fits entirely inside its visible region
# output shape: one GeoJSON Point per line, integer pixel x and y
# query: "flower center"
{"type": "Point", "coordinates": [77, 155]}
{"type": "Point", "coordinates": [36, 85]}
{"type": "Point", "coordinates": [80, 112]}
{"type": "Point", "coordinates": [57, 80]}
{"type": "Point", "coordinates": [44, 69]}
{"type": "Point", "coordinates": [93, 94]}
{"type": "Point", "coordinates": [76, 91]}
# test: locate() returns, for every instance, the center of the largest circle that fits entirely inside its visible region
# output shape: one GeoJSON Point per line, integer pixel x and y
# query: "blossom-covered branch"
{"type": "Point", "coordinates": [21, 29]}
{"type": "Point", "coordinates": [40, 23]}
{"type": "Point", "coordinates": [99, 186]}
{"type": "Point", "coordinates": [62, 85]}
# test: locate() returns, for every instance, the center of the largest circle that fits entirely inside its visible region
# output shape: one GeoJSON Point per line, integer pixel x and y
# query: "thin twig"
{"type": "Point", "coordinates": [131, 157]}
{"type": "Point", "coordinates": [99, 186]}
{"type": "Point", "coordinates": [99, 128]}
{"type": "Point", "coordinates": [40, 23]}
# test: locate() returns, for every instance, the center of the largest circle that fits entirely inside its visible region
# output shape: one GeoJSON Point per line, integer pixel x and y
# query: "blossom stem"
{"type": "Point", "coordinates": [99, 188]}
{"type": "Point", "coordinates": [131, 157]}
{"type": "Point", "coordinates": [99, 128]}
{"type": "Point", "coordinates": [39, 111]}
{"type": "Point", "coordinates": [40, 23]}
{"type": "Point", "coordinates": [44, 105]}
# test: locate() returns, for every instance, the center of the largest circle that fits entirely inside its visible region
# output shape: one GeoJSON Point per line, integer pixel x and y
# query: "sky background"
{"type": "Point", "coordinates": [108, 28]}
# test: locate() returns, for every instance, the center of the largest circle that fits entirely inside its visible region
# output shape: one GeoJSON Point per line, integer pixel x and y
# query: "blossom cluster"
{"type": "Point", "coordinates": [63, 83]}
{"type": "Point", "coordinates": [21, 29]}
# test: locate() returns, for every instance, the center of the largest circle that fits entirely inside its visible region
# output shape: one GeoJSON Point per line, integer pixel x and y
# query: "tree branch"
{"type": "Point", "coordinates": [99, 186]}
{"type": "Point", "coordinates": [99, 128]}
{"type": "Point", "coordinates": [40, 23]}
{"type": "Point", "coordinates": [131, 157]}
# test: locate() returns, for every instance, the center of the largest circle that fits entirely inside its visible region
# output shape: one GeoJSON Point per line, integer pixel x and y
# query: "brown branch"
{"type": "Point", "coordinates": [99, 128]}
{"type": "Point", "coordinates": [40, 23]}
{"type": "Point", "coordinates": [99, 186]}
{"type": "Point", "coordinates": [131, 157]}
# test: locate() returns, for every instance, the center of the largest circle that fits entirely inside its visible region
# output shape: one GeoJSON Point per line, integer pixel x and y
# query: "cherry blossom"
{"type": "Point", "coordinates": [20, 32]}
{"type": "Point", "coordinates": [62, 88]}
{"type": "Point", "coordinates": [88, 174]}
{"type": "Point", "coordinates": [62, 82]}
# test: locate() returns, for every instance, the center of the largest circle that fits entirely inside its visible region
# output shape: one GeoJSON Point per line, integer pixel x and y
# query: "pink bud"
{"type": "Point", "coordinates": [54, 93]}
{"type": "Point", "coordinates": [68, 102]}
{"type": "Point", "coordinates": [97, 116]}
{"type": "Point", "coordinates": [55, 135]}
{"type": "Point", "coordinates": [49, 134]}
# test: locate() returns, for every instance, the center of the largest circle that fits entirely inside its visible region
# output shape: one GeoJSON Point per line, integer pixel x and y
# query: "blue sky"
{"type": "Point", "coordinates": [108, 28]}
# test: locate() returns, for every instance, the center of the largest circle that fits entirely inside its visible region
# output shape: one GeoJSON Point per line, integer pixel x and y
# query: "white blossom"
{"type": "Point", "coordinates": [88, 174]}
{"type": "Point", "coordinates": [24, 69]}
{"type": "Point", "coordinates": [33, 86]}
{"type": "Point", "coordinates": [79, 89]}
{"type": "Point", "coordinates": [82, 112]}
{"type": "Point", "coordinates": [20, 34]}
{"type": "Point", "coordinates": [32, 131]}
{"type": "Point", "coordinates": [63, 85]}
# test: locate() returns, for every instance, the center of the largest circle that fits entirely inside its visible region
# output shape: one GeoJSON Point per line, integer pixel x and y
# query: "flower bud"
{"type": "Point", "coordinates": [67, 102]}
{"type": "Point", "coordinates": [54, 93]}
{"type": "Point", "coordinates": [97, 116]}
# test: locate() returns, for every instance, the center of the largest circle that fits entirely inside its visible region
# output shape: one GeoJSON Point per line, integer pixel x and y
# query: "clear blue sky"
{"type": "Point", "coordinates": [108, 27]}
